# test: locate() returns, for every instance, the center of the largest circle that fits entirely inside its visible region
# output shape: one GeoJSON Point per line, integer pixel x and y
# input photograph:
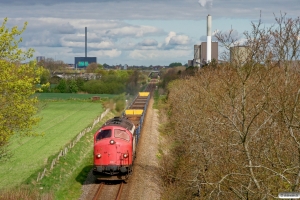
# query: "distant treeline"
{"type": "Point", "coordinates": [110, 82]}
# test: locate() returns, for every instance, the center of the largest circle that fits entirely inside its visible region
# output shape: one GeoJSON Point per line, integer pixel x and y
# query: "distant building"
{"type": "Point", "coordinates": [214, 51]}
{"type": "Point", "coordinates": [200, 54]}
{"type": "Point", "coordinates": [197, 55]}
{"type": "Point", "coordinates": [83, 62]}
{"type": "Point", "coordinates": [70, 66]}
{"type": "Point", "coordinates": [190, 63]}
{"type": "Point", "coordinates": [239, 54]}
{"type": "Point", "coordinates": [40, 58]}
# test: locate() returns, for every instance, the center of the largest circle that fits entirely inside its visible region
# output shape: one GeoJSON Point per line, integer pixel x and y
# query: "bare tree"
{"type": "Point", "coordinates": [91, 68]}
{"type": "Point", "coordinates": [237, 126]}
{"type": "Point", "coordinates": [52, 65]}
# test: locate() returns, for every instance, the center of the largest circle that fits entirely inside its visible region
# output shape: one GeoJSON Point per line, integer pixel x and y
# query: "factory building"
{"type": "Point", "coordinates": [239, 54]}
{"type": "Point", "coordinates": [83, 62]}
{"type": "Point", "coordinates": [207, 51]}
{"type": "Point", "coordinates": [200, 54]}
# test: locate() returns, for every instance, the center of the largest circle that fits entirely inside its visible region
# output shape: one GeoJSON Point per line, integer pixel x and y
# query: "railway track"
{"type": "Point", "coordinates": [109, 191]}
{"type": "Point", "coordinates": [151, 86]}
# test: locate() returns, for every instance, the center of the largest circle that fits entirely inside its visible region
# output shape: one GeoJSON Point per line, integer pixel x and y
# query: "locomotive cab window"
{"type": "Point", "coordinates": [103, 134]}
{"type": "Point", "coordinates": [121, 134]}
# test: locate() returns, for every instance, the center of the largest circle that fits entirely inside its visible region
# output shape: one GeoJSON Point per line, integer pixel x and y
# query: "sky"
{"type": "Point", "coordinates": [134, 32]}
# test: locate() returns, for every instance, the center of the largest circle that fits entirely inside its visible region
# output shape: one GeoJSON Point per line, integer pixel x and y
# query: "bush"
{"type": "Point", "coordinates": [120, 102]}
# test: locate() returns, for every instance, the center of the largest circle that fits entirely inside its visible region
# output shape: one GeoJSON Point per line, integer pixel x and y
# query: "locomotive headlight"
{"type": "Point", "coordinates": [111, 142]}
{"type": "Point", "coordinates": [125, 155]}
{"type": "Point", "coordinates": [98, 155]}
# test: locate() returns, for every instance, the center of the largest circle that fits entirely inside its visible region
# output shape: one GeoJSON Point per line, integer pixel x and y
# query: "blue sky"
{"type": "Point", "coordinates": [133, 32]}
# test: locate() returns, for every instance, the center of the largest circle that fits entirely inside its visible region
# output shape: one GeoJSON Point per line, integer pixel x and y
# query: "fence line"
{"type": "Point", "coordinates": [65, 150]}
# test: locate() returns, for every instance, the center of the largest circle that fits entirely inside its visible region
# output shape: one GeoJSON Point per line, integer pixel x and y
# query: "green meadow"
{"type": "Point", "coordinates": [62, 120]}
{"type": "Point", "coordinates": [70, 96]}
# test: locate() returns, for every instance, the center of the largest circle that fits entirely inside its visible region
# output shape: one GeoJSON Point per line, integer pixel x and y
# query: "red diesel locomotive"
{"type": "Point", "coordinates": [114, 149]}
{"type": "Point", "coordinates": [115, 142]}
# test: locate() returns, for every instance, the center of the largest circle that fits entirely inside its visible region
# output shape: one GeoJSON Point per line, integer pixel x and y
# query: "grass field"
{"type": "Point", "coordinates": [70, 96]}
{"type": "Point", "coordinates": [62, 121]}
{"type": "Point", "coordinates": [66, 179]}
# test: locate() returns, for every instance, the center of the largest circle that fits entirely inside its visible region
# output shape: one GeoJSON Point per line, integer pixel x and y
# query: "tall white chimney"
{"type": "Point", "coordinates": [208, 50]}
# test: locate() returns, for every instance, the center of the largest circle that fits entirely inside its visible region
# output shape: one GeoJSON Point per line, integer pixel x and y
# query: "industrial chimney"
{"type": "Point", "coordinates": [85, 41]}
{"type": "Point", "coordinates": [208, 51]}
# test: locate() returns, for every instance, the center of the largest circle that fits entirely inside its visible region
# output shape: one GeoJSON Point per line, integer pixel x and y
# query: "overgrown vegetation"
{"type": "Point", "coordinates": [171, 74]}
{"type": "Point", "coordinates": [24, 193]}
{"type": "Point", "coordinates": [233, 129]}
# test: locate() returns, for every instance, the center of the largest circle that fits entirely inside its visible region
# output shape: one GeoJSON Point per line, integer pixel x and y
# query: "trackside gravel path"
{"type": "Point", "coordinates": [144, 183]}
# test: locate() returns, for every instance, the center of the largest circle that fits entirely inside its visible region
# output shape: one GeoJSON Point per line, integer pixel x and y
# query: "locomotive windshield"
{"type": "Point", "coordinates": [103, 134]}
{"type": "Point", "coordinates": [121, 134]}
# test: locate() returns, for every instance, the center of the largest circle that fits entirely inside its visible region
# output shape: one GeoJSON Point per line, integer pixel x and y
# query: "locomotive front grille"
{"type": "Point", "coordinates": [111, 168]}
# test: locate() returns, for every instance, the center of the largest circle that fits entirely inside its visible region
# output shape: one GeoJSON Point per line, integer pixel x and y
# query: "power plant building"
{"type": "Point", "coordinates": [207, 51]}
{"type": "Point", "coordinates": [200, 54]}
{"type": "Point", "coordinates": [197, 54]}
{"type": "Point", "coordinates": [214, 51]}
{"type": "Point", "coordinates": [83, 62]}
{"type": "Point", "coordinates": [239, 54]}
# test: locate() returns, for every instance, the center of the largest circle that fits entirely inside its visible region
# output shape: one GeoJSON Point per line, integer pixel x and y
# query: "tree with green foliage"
{"type": "Point", "coordinates": [175, 64]}
{"type": "Point", "coordinates": [133, 86]}
{"type": "Point", "coordinates": [72, 86]}
{"type": "Point", "coordinates": [17, 86]}
{"type": "Point", "coordinates": [62, 86]}
{"type": "Point", "coordinates": [45, 76]}
{"type": "Point", "coordinates": [79, 83]}
{"type": "Point", "coordinates": [100, 66]}
{"type": "Point", "coordinates": [9, 41]}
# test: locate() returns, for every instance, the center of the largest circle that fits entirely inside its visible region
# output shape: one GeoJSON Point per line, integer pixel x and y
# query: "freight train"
{"type": "Point", "coordinates": [116, 141]}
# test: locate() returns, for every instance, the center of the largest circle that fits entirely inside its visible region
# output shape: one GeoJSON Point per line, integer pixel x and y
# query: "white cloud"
{"type": "Point", "coordinates": [113, 53]}
{"type": "Point", "coordinates": [148, 42]}
{"type": "Point", "coordinates": [174, 39]}
{"type": "Point", "coordinates": [159, 55]}
{"type": "Point", "coordinates": [136, 31]}
{"type": "Point", "coordinates": [168, 38]}
{"type": "Point", "coordinates": [206, 3]}
{"type": "Point", "coordinates": [102, 45]}
{"type": "Point", "coordinates": [240, 41]}
{"type": "Point", "coordinates": [179, 40]}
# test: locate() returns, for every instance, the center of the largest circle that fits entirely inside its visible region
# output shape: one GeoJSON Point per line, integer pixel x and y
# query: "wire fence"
{"type": "Point", "coordinates": [65, 150]}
